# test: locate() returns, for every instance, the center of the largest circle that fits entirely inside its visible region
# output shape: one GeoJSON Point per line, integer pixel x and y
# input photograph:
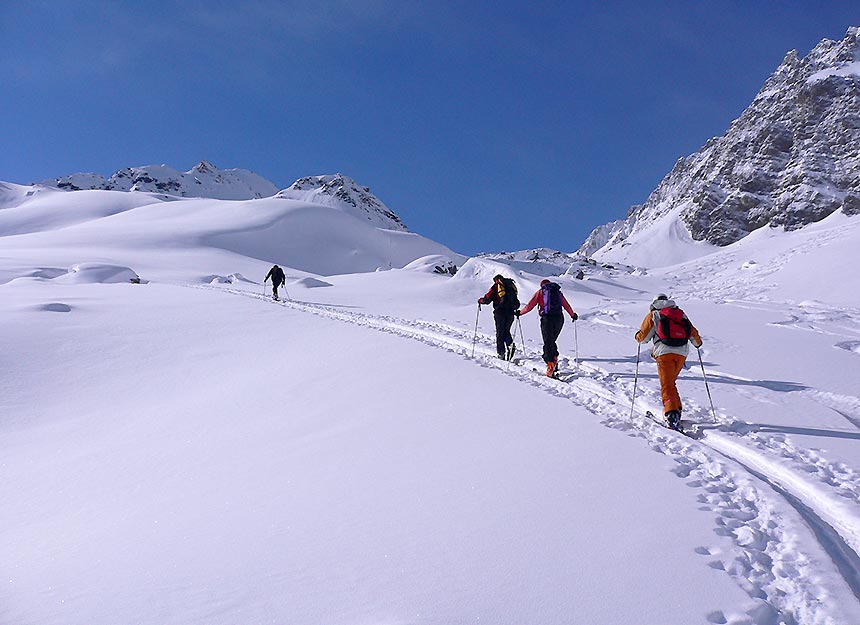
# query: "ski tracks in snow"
{"type": "Point", "coordinates": [764, 495]}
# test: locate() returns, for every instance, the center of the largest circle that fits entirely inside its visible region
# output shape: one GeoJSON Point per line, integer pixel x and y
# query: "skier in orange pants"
{"type": "Point", "coordinates": [671, 331]}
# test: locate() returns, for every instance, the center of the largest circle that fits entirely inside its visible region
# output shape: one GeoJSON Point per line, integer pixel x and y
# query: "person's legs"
{"type": "Point", "coordinates": [508, 322]}
{"type": "Point", "coordinates": [557, 325]}
{"type": "Point", "coordinates": [546, 333]}
{"type": "Point", "coordinates": [550, 329]}
{"type": "Point", "coordinates": [499, 317]}
{"type": "Point", "coordinates": [669, 366]}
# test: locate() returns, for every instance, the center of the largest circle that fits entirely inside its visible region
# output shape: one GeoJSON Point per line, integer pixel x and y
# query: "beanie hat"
{"type": "Point", "coordinates": [661, 301]}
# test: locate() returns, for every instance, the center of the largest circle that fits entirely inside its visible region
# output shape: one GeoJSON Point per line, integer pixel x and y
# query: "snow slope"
{"type": "Point", "coordinates": [71, 227]}
{"type": "Point", "coordinates": [186, 450]}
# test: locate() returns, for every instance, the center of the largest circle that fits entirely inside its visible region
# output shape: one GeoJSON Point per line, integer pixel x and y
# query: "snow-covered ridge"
{"type": "Point", "coordinates": [312, 237]}
{"type": "Point", "coordinates": [205, 180]}
{"type": "Point", "coordinates": [792, 158]}
{"type": "Point", "coordinates": [344, 192]}
{"type": "Point", "coordinates": [202, 180]}
{"type": "Point", "coordinates": [851, 69]}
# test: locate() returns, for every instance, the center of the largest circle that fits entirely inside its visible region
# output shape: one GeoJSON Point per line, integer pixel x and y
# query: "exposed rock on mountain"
{"type": "Point", "coordinates": [791, 158]}
{"type": "Point", "coordinates": [202, 180]}
{"type": "Point", "coordinates": [548, 262]}
{"type": "Point", "coordinates": [206, 180]}
{"type": "Point", "coordinates": [344, 192]}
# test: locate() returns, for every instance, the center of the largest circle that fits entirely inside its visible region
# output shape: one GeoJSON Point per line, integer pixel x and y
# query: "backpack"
{"type": "Point", "coordinates": [551, 304]}
{"type": "Point", "coordinates": [278, 276]}
{"type": "Point", "coordinates": [673, 327]}
{"type": "Point", "coordinates": [507, 290]}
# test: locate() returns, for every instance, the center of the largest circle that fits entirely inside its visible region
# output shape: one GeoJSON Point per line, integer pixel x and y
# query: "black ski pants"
{"type": "Point", "coordinates": [504, 319]}
{"type": "Point", "coordinates": [550, 328]}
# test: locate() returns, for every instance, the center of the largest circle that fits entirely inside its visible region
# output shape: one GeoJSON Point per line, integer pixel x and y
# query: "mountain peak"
{"type": "Point", "coordinates": [203, 167]}
{"type": "Point", "coordinates": [202, 180]}
{"type": "Point", "coordinates": [343, 192]}
{"type": "Point", "coordinates": [790, 159]}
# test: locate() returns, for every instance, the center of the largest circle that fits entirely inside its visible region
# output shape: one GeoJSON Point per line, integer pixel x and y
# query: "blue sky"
{"type": "Point", "coordinates": [486, 125]}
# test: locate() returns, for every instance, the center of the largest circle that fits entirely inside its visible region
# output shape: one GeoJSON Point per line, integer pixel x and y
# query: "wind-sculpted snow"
{"type": "Point", "coordinates": [310, 237]}
{"type": "Point", "coordinates": [99, 273]}
{"type": "Point", "coordinates": [757, 487]}
{"type": "Point", "coordinates": [42, 210]}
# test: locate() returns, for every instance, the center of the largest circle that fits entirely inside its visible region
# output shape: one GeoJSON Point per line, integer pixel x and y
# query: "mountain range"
{"type": "Point", "coordinates": [205, 180]}
{"type": "Point", "coordinates": [791, 159]}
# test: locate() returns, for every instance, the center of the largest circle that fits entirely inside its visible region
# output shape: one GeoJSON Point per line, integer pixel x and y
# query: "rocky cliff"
{"type": "Point", "coordinates": [791, 158]}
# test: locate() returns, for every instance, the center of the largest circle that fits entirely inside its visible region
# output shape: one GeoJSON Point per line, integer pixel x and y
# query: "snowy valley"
{"type": "Point", "coordinates": [187, 450]}
{"type": "Point", "coordinates": [179, 448]}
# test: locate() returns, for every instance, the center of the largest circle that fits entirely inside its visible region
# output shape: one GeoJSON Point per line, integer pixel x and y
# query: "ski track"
{"type": "Point", "coordinates": [747, 488]}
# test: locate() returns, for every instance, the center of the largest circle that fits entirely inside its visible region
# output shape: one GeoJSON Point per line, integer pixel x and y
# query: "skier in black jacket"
{"type": "Point", "coordinates": [278, 278]}
{"type": "Point", "coordinates": [503, 295]}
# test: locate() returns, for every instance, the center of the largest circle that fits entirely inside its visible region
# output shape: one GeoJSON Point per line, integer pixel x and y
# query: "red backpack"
{"type": "Point", "coordinates": [673, 327]}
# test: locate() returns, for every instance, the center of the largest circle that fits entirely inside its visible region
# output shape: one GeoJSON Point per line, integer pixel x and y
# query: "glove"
{"type": "Point", "coordinates": [481, 300]}
{"type": "Point", "coordinates": [574, 317]}
{"type": "Point", "coordinates": [516, 313]}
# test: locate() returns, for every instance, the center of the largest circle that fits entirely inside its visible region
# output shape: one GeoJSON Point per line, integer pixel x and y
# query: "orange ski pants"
{"type": "Point", "coordinates": [669, 366]}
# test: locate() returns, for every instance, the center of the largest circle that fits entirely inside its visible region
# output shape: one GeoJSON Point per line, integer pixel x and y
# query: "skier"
{"type": "Point", "coordinates": [278, 278]}
{"type": "Point", "coordinates": [552, 306]}
{"type": "Point", "coordinates": [670, 330]}
{"type": "Point", "coordinates": [503, 296]}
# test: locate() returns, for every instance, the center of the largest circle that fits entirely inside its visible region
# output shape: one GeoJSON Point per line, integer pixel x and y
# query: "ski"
{"type": "Point", "coordinates": [661, 421]}
{"type": "Point", "coordinates": [554, 376]}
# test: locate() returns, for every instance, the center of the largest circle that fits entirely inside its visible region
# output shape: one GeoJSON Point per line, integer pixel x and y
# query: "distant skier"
{"type": "Point", "coordinates": [278, 279]}
{"type": "Point", "coordinates": [552, 306]}
{"type": "Point", "coordinates": [671, 331]}
{"type": "Point", "coordinates": [503, 296]}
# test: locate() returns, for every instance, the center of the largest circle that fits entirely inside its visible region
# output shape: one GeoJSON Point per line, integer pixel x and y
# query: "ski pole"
{"type": "Point", "coordinates": [475, 338]}
{"type": "Point", "coordinates": [635, 378]}
{"type": "Point", "coordinates": [284, 285]}
{"type": "Point", "coordinates": [705, 378]}
{"type": "Point", "coordinates": [522, 338]}
{"type": "Point", "coordinates": [576, 344]}
{"type": "Point", "coordinates": [264, 285]}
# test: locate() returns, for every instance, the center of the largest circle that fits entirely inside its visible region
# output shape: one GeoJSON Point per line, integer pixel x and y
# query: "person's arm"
{"type": "Point", "coordinates": [566, 306]}
{"type": "Point", "coordinates": [694, 336]}
{"type": "Point", "coordinates": [488, 298]}
{"type": "Point", "coordinates": [646, 330]}
{"type": "Point", "coordinates": [534, 301]}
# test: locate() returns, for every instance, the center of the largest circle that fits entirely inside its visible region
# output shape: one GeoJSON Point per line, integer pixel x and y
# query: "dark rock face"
{"type": "Point", "coordinates": [338, 188]}
{"type": "Point", "coordinates": [851, 205]}
{"type": "Point", "coordinates": [792, 158]}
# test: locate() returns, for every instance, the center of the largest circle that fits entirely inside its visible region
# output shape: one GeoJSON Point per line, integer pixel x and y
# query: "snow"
{"type": "Point", "coordinates": [187, 450]}
{"type": "Point", "coordinates": [345, 193]}
{"type": "Point", "coordinates": [663, 243]}
{"type": "Point", "coordinates": [849, 69]}
{"type": "Point", "coordinates": [202, 180]}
